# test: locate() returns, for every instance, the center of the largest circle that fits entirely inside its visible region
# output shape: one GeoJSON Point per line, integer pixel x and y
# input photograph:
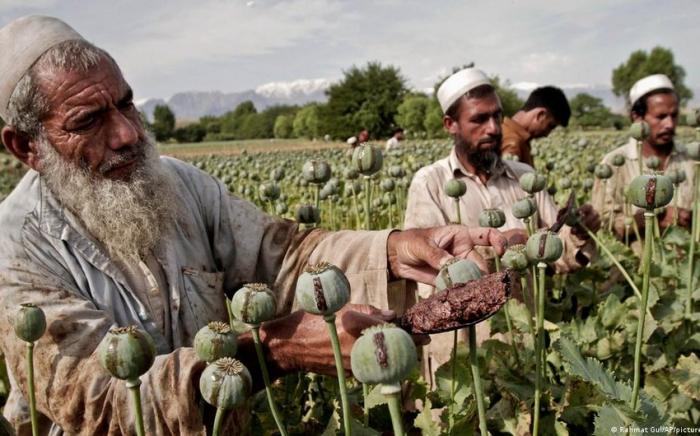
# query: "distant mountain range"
{"type": "Point", "coordinates": [194, 105]}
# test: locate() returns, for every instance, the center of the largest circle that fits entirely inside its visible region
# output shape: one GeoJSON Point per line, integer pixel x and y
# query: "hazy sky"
{"type": "Point", "coordinates": [170, 46]}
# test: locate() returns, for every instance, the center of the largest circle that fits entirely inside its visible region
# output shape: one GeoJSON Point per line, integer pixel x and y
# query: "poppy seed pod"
{"type": "Point", "coordinates": [307, 214]}
{"type": "Point", "coordinates": [618, 160]}
{"type": "Point", "coordinates": [30, 322]}
{"type": "Point", "coordinates": [493, 218]}
{"type": "Point", "coordinates": [214, 341]}
{"type": "Point", "coordinates": [396, 171]}
{"type": "Point", "coordinates": [676, 176]}
{"type": "Point", "coordinates": [322, 289]}
{"type": "Point", "coordinates": [456, 271]}
{"type": "Point", "coordinates": [269, 191]}
{"type": "Point", "coordinates": [455, 188]}
{"type": "Point", "coordinates": [588, 184]}
{"type": "Point", "coordinates": [387, 185]}
{"type": "Point", "coordinates": [277, 174]}
{"type": "Point", "coordinates": [544, 247]}
{"type": "Point", "coordinates": [515, 258]}
{"type": "Point", "coordinates": [350, 173]}
{"type": "Point", "coordinates": [254, 304]}
{"type": "Point", "coordinates": [281, 208]}
{"type": "Point", "coordinates": [533, 183]}
{"type": "Point", "coordinates": [693, 150]}
{"type": "Point", "coordinates": [652, 162]}
{"type": "Point", "coordinates": [226, 383]}
{"type": "Point", "coordinates": [564, 183]}
{"type": "Point", "coordinates": [640, 130]}
{"type": "Point", "coordinates": [316, 172]}
{"type": "Point", "coordinates": [650, 191]}
{"type": "Point", "coordinates": [367, 159]}
{"type": "Point", "coordinates": [126, 353]}
{"type": "Point", "coordinates": [524, 208]}
{"type": "Point", "coordinates": [384, 354]}
{"type": "Point", "coordinates": [603, 171]}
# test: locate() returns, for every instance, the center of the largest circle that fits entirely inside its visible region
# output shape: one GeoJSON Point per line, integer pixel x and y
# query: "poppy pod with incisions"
{"type": "Point", "coordinates": [515, 258]}
{"type": "Point", "coordinates": [322, 289]}
{"type": "Point", "coordinates": [650, 191]}
{"type": "Point", "coordinates": [226, 383]}
{"type": "Point", "coordinates": [640, 130]}
{"type": "Point", "coordinates": [384, 354]}
{"type": "Point", "coordinates": [214, 341]}
{"type": "Point", "coordinates": [126, 353]}
{"type": "Point", "coordinates": [544, 247]}
{"type": "Point", "coordinates": [316, 172]}
{"type": "Point", "coordinates": [367, 159]}
{"type": "Point", "coordinates": [456, 271]}
{"type": "Point", "coordinates": [254, 304]}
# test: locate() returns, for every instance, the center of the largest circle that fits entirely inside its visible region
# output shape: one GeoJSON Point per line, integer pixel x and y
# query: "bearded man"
{"type": "Point", "coordinates": [473, 117]}
{"type": "Point", "coordinates": [655, 102]}
{"type": "Point", "coordinates": [103, 233]}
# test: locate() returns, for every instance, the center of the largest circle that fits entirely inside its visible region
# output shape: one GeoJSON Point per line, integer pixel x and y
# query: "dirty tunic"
{"type": "Point", "coordinates": [516, 141]}
{"type": "Point", "coordinates": [222, 242]}
{"type": "Point", "coordinates": [428, 205]}
{"type": "Point", "coordinates": [610, 193]}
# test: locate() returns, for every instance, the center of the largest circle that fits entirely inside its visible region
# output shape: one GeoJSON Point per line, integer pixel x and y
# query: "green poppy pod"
{"type": "Point", "coordinates": [307, 214]}
{"type": "Point", "coordinates": [350, 173]}
{"type": "Point", "coordinates": [396, 171]}
{"type": "Point", "coordinates": [226, 383]}
{"type": "Point", "coordinates": [544, 247]}
{"type": "Point", "coordinates": [322, 289]}
{"type": "Point", "coordinates": [568, 169]}
{"type": "Point", "coordinates": [387, 185]}
{"type": "Point", "coordinates": [30, 322]}
{"type": "Point", "coordinates": [564, 183]}
{"type": "Point", "coordinates": [455, 188]}
{"type": "Point", "coordinates": [384, 354]}
{"type": "Point", "coordinates": [650, 191]}
{"type": "Point", "coordinates": [515, 258]}
{"type": "Point", "coordinates": [316, 172]}
{"type": "Point", "coordinates": [456, 271]}
{"type": "Point", "coordinates": [640, 130]}
{"type": "Point", "coordinates": [603, 171]}
{"type": "Point", "coordinates": [590, 168]}
{"type": "Point", "coordinates": [582, 143]}
{"type": "Point", "coordinates": [618, 160]}
{"type": "Point", "coordinates": [367, 159]}
{"type": "Point", "coordinates": [533, 183]}
{"type": "Point", "coordinates": [493, 218]}
{"type": "Point", "coordinates": [269, 191]}
{"type": "Point", "coordinates": [588, 184]}
{"type": "Point", "coordinates": [629, 221]}
{"type": "Point", "coordinates": [254, 304]}
{"type": "Point", "coordinates": [550, 165]}
{"type": "Point", "coordinates": [524, 208]}
{"type": "Point", "coordinates": [388, 198]}
{"type": "Point", "coordinates": [277, 174]}
{"type": "Point", "coordinates": [126, 353]}
{"type": "Point", "coordinates": [652, 162]}
{"type": "Point", "coordinates": [676, 176]}
{"type": "Point", "coordinates": [214, 341]}
{"type": "Point", "coordinates": [281, 208]}
{"type": "Point", "coordinates": [693, 150]}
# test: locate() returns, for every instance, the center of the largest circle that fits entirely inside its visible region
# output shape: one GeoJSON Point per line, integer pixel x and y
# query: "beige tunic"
{"type": "Point", "coordinates": [610, 193]}
{"type": "Point", "coordinates": [429, 206]}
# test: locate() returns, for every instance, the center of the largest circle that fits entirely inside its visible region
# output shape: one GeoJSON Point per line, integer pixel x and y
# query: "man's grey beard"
{"type": "Point", "coordinates": [485, 161]}
{"type": "Point", "coordinates": [129, 217]}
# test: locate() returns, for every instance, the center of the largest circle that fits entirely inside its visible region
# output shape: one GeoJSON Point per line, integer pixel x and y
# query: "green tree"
{"type": "Point", "coordinates": [588, 111]}
{"type": "Point", "coordinates": [365, 99]}
{"type": "Point", "coordinates": [411, 113]}
{"type": "Point", "coordinates": [271, 114]}
{"type": "Point", "coordinates": [433, 120]}
{"type": "Point", "coordinates": [509, 97]}
{"type": "Point", "coordinates": [284, 126]}
{"type": "Point", "coordinates": [640, 64]}
{"type": "Point", "coordinates": [163, 122]}
{"type": "Point", "coordinates": [194, 132]}
{"type": "Point", "coordinates": [305, 123]}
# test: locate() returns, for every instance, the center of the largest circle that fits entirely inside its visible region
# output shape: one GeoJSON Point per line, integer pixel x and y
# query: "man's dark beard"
{"type": "Point", "coordinates": [484, 161]}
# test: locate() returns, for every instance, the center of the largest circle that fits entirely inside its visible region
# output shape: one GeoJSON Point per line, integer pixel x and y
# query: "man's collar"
{"type": "Point", "coordinates": [456, 168]}
{"type": "Point", "coordinates": [517, 127]}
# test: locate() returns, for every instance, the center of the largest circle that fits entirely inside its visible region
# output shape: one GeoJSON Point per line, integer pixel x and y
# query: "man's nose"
{"type": "Point", "coordinates": [122, 132]}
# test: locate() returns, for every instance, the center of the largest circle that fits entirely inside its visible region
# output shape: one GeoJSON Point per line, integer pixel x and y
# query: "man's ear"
{"type": "Point", "coordinates": [22, 146]}
{"type": "Point", "coordinates": [636, 117]}
{"type": "Point", "coordinates": [540, 114]}
{"type": "Point", "coordinates": [450, 125]}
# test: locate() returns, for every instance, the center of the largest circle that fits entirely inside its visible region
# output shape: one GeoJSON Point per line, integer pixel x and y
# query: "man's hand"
{"type": "Point", "coordinates": [516, 236]}
{"type": "Point", "coordinates": [590, 218]}
{"type": "Point", "coordinates": [418, 254]}
{"type": "Point", "coordinates": [685, 217]}
{"type": "Point", "coordinates": [301, 341]}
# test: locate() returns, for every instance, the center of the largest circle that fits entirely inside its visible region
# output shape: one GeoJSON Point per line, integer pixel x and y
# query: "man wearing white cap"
{"type": "Point", "coordinates": [101, 232]}
{"type": "Point", "coordinates": [473, 116]}
{"type": "Point", "coordinates": [653, 100]}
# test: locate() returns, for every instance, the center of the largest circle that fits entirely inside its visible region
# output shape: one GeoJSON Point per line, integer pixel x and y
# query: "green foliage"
{"type": "Point", "coordinates": [641, 64]}
{"type": "Point", "coordinates": [190, 133]}
{"type": "Point", "coordinates": [509, 97]}
{"type": "Point", "coordinates": [306, 124]}
{"type": "Point", "coordinates": [588, 111]}
{"type": "Point", "coordinates": [412, 112]}
{"type": "Point", "coordinates": [284, 127]}
{"type": "Point", "coordinates": [365, 99]}
{"type": "Point", "coordinates": [163, 122]}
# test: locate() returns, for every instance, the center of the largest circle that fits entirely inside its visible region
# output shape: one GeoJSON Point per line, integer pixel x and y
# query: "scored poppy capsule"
{"type": "Point", "coordinates": [456, 271]}
{"type": "Point", "coordinates": [316, 172]}
{"type": "Point", "coordinates": [307, 214]}
{"type": "Point", "coordinates": [226, 383]}
{"type": "Point", "coordinates": [524, 208]}
{"type": "Point", "coordinates": [544, 247]}
{"type": "Point", "coordinates": [30, 322]}
{"type": "Point", "coordinates": [214, 341]}
{"type": "Point", "coordinates": [493, 218]}
{"type": "Point", "coordinates": [254, 304]}
{"type": "Point", "coordinates": [269, 191]}
{"type": "Point", "coordinates": [322, 289]}
{"type": "Point", "coordinates": [533, 183]}
{"type": "Point", "coordinates": [126, 353]}
{"type": "Point", "coordinates": [384, 354]}
{"type": "Point", "coordinates": [515, 258]}
{"type": "Point", "coordinates": [640, 130]}
{"type": "Point", "coordinates": [367, 159]}
{"type": "Point", "coordinates": [650, 191]}
{"type": "Point", "coordinates": [455, 188]}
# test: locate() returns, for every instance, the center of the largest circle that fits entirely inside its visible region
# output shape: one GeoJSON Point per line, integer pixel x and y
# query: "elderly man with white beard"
{"type": "Point", "coordinates": [101, 232]}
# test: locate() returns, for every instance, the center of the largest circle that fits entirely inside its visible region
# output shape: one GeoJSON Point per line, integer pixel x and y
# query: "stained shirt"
{"type": "Point", "coordinates": [222, 242]}
{"type": "Point", "coordinates": [516, 141]}
{"type": "Point", "coordinates": [610, 196]}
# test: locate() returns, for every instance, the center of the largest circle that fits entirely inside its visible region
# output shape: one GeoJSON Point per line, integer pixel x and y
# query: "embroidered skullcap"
{"type": "Point", "coordinates": [22, 42]}
{"type": "Point", "coordinates": [648, 84]}
{"type": "Point", "coordinates": [459, 84]}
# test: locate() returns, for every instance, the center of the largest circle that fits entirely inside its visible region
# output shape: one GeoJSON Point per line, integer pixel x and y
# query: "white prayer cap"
{"type": "Point", "coordinates": [22, 42]}
{"type": "Point", "coordinates": [459, 84]}
{"type": "Point", "coordinates": [352, 140]}
{"type": "Point", "coordinates": [649, 84]}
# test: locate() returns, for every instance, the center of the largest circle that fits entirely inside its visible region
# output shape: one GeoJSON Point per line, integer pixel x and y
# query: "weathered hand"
{"type": "Point", "coordinates": [301, 342]}
{"type": "Point", "coordinates": [418, 254]}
